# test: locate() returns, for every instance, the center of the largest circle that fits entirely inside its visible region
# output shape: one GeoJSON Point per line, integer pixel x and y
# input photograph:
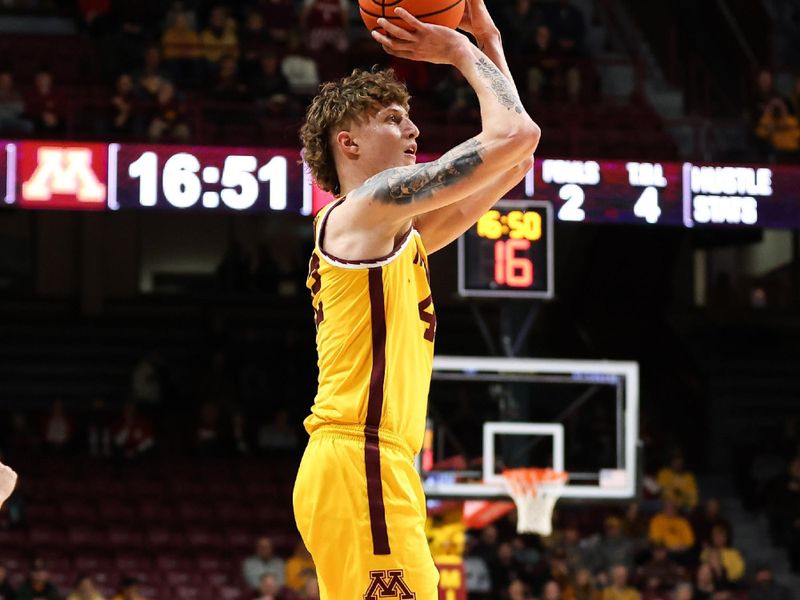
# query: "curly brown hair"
{"type": "Point", "coordinates": [338, 104]}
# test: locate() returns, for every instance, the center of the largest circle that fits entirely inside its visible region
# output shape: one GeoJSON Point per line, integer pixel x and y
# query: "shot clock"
{"type": "Point", "coordinates": [508, 253]}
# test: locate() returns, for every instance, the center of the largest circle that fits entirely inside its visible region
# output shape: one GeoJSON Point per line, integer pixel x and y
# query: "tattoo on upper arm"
{"type": "Point", "coordinates": [500, 86]}
{"type": "Point", "coordinates": [404, 185]}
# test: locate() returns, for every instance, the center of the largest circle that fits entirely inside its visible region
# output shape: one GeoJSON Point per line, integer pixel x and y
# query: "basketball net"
{"type": "Point", "coordinates": [535, 492]}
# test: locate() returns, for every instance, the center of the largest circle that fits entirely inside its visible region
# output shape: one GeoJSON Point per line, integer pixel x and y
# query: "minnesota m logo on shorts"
{"type": "Point", "coordinates": [388, 584]}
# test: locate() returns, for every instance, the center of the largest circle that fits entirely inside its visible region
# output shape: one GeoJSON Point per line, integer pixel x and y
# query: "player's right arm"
{"type": "Point", "coordinates": [508, 136]}
{"type": "Point", "coordinates": [8, 479]}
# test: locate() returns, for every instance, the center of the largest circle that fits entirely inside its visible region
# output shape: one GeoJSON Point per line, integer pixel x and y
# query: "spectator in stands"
{"type": "Point", "coordinates": [569, 542]}
{"type": "Point", "coordinates": [310, 590]}
{"type": "Point", "coordinates": [280, 17]}
{"type": "Point", "coordinates": [12, 107]}
{"type": "Point", "coordinates": [59, 430]}
{"type": "Point", "coordinates": [660, 572]}
{"type": "Point", "coordinates": [44, 106]}
{"type": "Point", "coordinates": [146, 379]}
{"type": "Point", "coordinates": [185, 7]}
{"type": "Point", "coordinates": [708, 518]}
{"type": "Point", "coordinates": [781, 130]}
{"type": "Point", "coordinates": [7, 591]}
{"type": "Point", "coordinates": [569, 28]}
{"type": "Point", "coordinates": [254, 42]}
{"type": "Point", "coordinates": [454, 96]}
{"type": "Point", "coordinates": [299, 568]}
{"type": "Point", "coordinates": [269, 86]}
{"type": "Point", "coordinates": [479, 581]}
{"type": "Point", "coordinates": [278, 435]}
{"type": "Point", "coordinates": [300, 69]}
{"type": "Point", "coordinates": [519, 21]}
{"type": "Point", "coordinates": [152, 75]}
{"type": "Point", "coordinates": [94, 15]}
{"type": "Point", "coordinates": [85, 590]}
{"type": "Point", "coordinates": [269, 589]}
{"type": "Point", "coordinates": [551, 591]}
{"type": "Point", "coordinates": [486, 547]}
{"type": "Point", "coordinates": [262, 562]}
{"type": "Point", "coordinates": [766, 588]}
{"type": "Point", "coordinates": [208, 437]}
{"type": "Point", "coordinates": [132, 433]}
{"type": "Point", "coordinates": [517, 590]}
{"type": "Point", "coordinates": [129, 590]}
{"type": "Point", "coordinates": [228, 86]}
{"type": "Point", "coordinates": [671, 529]}
{"type": "Point", "coordinates": [706, 587]}
{"type": "Point", "coordinates": [613, 548]}
{"type": "Point", "coordinates": [325, 24]}
{"type": "Point", "coordinates": [170, 120]}
{"type": "Point", "coordinates": [683, 591]}
{"type": "Point", "coordinates": [544, 72]}
{"type": "Point", "coordinates": [764, 95]}
{"type": "Point", "coordinates": [719, 555]}
{"type": "Point", "coordinates": [505, 567]}
{"type": "Point", "coordinates": [634, 523]}
{"type": "Point", "coordinates": [619, 589]}
{"type": "Point", "coordinates": [239, 439]}
{"type": "Point", "coordinates": [124, 112]}
{"type": "Point", "coordinates": [219, 37]}
{"type": "Point", "coordinates": [182, 49]}
{"type": "Point", "coordinates": [678, 484]}
{"type": "Point", "coordinates": [38, 585]}
{"type": "Point", "coordinates": [582, 586]}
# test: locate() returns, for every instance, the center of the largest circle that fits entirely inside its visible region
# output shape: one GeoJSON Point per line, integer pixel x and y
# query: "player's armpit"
{"type": "Point", "coordinates": [8, 479]}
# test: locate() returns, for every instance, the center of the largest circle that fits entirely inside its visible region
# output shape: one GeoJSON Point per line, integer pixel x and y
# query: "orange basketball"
{"type": "Point", "coordinates": [440, 12]}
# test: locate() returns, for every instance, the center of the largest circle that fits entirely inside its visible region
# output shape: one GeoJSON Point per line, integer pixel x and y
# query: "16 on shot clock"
{"type": "Point", "coordinates": [508, 253]}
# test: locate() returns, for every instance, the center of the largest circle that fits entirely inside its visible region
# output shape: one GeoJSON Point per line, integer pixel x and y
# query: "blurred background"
{"type": "Point", "coordinates": [156, 361]}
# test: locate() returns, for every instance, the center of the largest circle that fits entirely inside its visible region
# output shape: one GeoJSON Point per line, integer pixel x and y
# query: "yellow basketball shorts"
{"type": "Point", "coordinates": [360, 508]}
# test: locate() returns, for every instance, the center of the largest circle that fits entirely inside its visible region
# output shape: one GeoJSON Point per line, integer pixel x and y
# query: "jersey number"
{"type": "Point", "coordinates": [428, 317]}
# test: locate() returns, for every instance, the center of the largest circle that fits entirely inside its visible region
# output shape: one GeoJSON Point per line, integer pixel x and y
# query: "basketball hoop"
{"type": "Point", "coordinates": [535, 492]}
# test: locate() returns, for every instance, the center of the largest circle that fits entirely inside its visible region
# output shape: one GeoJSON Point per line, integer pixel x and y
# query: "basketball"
{"type": "Point", "coordinates": [439, 12]}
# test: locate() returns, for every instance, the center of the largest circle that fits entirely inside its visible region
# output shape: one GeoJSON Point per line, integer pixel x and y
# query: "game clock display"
{"type": "Point", "coordinates": [508, 253]}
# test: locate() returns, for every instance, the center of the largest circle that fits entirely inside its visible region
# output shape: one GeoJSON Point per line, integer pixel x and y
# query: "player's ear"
{"type": "Point", "coordinates": [347, 144]}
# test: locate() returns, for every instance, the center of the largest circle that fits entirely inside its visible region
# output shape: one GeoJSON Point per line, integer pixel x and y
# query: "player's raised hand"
{"type": "Point", "coordinates": [420, 41]}
{"type": "Point", "coordinates": [8, 479]}
{"type": "Point", "coordinates": [477, 20]}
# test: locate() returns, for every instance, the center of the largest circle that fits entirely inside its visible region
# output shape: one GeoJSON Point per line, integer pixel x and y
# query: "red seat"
{"type": "Point", "coordinates": [193, 512]}
{"type": "Point", "coordinates": [117, 512]}
{"type": "Point", "coordinates": [155, 512]}
{"type": "Point", "coordinates": [239, 514]}
{"type": "Point", "coordinates": [78, 512]}
{"type": "Point", "coordinates": [87, 537]}
{"type": "Point", "coordinates": [229, 592]}
{"type": "Point", "coordinates": [92, 563]}
{"type": "Point", "coordinates": [177, 578]}
{"type": "Point", "coordinates": [129, 561]}
{"type": "Point", "coordinates": [127, 538]}
{"type": "Point", "coordinates": [172, 562]}
{"type": "Point", "coordinates": [201, 538]}
{"type": "Point", "coordinates": [161, 537]}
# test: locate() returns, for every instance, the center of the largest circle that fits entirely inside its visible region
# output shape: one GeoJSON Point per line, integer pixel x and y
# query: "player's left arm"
{"type": "Point", "coordinates": [8, 479]}
{"type": "Point", "coordinates": [444, 225]}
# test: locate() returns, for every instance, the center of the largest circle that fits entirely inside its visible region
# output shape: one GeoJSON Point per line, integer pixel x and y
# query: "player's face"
{"type": "Point", "coordinates": [388, 138]}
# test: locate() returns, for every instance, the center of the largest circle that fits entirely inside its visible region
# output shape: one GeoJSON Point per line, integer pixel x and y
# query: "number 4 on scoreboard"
{"type": "Point", "coordinates": [646, 206]}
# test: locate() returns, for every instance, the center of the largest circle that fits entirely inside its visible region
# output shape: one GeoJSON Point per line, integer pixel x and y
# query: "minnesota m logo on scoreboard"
{"type": "Point", "coordinates": [63, 176]}
{"type": "Point", "coordinates": [388, 584]}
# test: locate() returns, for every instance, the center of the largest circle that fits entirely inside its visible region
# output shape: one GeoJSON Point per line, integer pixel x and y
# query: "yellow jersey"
{"type": "Point", "coordinates": [375, 333]}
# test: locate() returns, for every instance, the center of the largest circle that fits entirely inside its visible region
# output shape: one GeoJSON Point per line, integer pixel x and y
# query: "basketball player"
{"type": "Point", "coordinates": [358, 500]}
{"type": "Point", "coordinates": [8, 479]}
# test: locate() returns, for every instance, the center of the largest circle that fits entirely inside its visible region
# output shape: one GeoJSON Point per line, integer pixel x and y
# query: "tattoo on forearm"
{"type": "Point", "coordinates": [404, 186]}
{"type": "Point", "coordinates": [502, 89]}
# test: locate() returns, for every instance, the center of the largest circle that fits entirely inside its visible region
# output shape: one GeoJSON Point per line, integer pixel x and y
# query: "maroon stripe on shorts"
{"type": "Point", "coordinates": [372, 452]}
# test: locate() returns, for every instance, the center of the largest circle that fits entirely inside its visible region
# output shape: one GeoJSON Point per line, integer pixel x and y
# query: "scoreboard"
{"type": "Point", "coordinates": [668, 193]}
{"type": "Point", "coordinates": [63, 175]}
